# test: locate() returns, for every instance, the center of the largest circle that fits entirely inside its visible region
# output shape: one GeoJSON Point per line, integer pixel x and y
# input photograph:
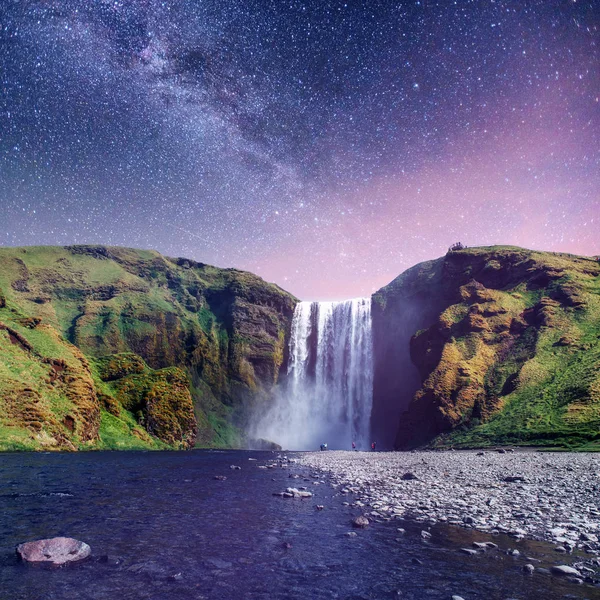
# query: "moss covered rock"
{"type": "Point", "coordinates": [117, 366]}
{"type": "Point", "coordinates": [225, 329]}
{"type": "Point", "coordinates": [490, 346]}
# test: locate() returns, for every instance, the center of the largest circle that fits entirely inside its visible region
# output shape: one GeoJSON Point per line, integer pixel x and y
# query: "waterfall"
{"type": "Point", "coordinates": [328, 394]}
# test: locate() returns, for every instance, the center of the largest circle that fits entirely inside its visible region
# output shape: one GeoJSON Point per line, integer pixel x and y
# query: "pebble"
{"type": "Point", "coordinates": [551, 497]}
{"type": "Point", "coordinates": [529, 569]}
{"type": "Point", "coordinates": [360, 522]}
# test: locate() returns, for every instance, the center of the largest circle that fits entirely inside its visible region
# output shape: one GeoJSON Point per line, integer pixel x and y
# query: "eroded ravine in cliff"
{"type": "Point", "coordinates": [328, 394]}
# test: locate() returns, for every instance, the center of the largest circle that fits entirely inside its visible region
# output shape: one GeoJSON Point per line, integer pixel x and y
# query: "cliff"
{"type": "Point", "coordinates": [485, 346]}
{"type": "Point", "coordinates": [105, 347]}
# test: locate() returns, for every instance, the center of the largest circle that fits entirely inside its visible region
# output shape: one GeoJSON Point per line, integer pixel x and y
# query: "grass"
{"type": "Point", "coordinates": [124, 433]}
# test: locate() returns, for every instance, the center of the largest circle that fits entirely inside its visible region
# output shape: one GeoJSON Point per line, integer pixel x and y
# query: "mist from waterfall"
{"type": "Point", "coordinates": [328, 394]}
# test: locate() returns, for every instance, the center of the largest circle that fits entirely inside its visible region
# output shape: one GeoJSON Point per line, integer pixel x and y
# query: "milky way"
{"type": "Point", "coordinates": [326, 146]}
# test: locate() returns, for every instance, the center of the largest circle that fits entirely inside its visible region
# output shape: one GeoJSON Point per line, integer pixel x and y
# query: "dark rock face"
{"type": "Point", "coordinates": [57, 551]}
{"type": "Point", "coordinates": [398, 311]}
{"type": "Point", "coordinates": [459, 339]}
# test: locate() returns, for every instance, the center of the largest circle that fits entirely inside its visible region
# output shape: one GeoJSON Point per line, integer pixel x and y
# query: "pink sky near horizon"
{"type": "Point", "coordinates": [511, 187]}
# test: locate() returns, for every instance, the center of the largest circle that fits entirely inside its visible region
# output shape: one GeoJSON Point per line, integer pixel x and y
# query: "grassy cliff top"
{"type": "Point", "coordinates": [106, 265]}
{"type": "Point", "coordinates": [522, 263]}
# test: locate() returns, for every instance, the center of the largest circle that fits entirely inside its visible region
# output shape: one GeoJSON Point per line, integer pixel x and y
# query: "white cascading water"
{"type": "Point", "coordinates": [329, 390]}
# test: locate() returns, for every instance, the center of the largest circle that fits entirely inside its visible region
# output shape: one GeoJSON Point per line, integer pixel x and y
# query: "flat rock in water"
{"type": "Point", "coordinates": [564, 570]}
{"type": "Point", "coordinates": [55, 551]}
{"type": "Point", "coordinates": [295, 493]}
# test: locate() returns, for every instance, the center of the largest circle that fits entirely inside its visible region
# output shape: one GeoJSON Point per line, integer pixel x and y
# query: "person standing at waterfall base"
{"type": "Point", "coordinates": [353, 445]}
{"type": "Point", "coordinates": [373, 446]}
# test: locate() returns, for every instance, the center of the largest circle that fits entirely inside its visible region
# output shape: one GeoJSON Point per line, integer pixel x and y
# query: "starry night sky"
{"type": "Point", "coordinates": [324, 145]}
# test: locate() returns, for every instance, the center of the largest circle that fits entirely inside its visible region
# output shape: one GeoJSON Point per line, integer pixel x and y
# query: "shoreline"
{"type": "Point", "coordinates": [552, 497]}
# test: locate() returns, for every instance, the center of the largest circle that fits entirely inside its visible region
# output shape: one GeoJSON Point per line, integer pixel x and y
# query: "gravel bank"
{"type": "Point", "coordinates": [552, 497]}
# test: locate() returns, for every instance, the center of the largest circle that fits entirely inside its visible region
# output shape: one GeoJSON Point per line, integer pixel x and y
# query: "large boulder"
{"type": "Point", "coordinates": [55, 551]}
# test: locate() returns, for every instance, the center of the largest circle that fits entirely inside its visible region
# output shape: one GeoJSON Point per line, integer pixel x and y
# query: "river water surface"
{"type": "Point", "coordinates": [161, 527]}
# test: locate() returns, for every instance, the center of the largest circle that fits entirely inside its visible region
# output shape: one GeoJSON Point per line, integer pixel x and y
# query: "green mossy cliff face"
{"type": "Point", "coordinates": [106, 347]}
{"type": "Point", "coordinates": [116, 348]}
{"type": "Point", "coordinates": [490, 346]}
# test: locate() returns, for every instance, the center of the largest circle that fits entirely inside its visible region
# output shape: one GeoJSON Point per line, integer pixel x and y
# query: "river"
{"type": "Point", "coordinates": [161, 527]}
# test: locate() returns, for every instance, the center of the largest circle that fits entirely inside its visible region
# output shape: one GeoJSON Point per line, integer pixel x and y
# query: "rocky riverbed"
{"type": "Point", "coordinates": [546, 496]}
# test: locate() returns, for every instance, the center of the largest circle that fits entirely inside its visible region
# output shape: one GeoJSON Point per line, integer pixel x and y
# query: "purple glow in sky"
{"type": "Point", "coordinates": [326, 146]}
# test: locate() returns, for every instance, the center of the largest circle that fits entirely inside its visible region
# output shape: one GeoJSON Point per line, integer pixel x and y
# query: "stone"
{"type": "Point", "coordinates": [425, 535]}
{"type": "Point", "coordinates": [409, 476]}
{"type": "Point", "coordinates": [468, 551]}
{"type": "Point", "coordinates": [350, 534]}
{"type": "Point", "coordinates": [235, 468]}
{"type": "Point", "coordinates": [564, 570]}
{"type": "Point", "coordinates": [55, 551]}
{"type": "Point", "coordinates": [296, 493]}
{"type": "Point", "coordinates": [528, 569]}
{"type": "Point", "coordinates": [360, 522]}
{"type": "Point", "coordinates": [468, 491]}
{"type": "Point", "coordinates": [220, 477]}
